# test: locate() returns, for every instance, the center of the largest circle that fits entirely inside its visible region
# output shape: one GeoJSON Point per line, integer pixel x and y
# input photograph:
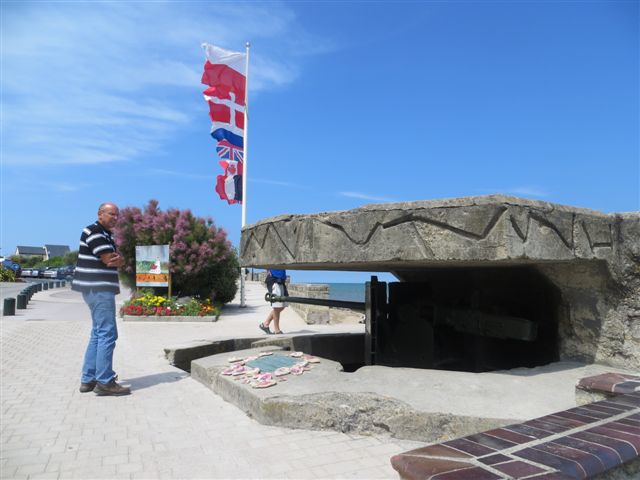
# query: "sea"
{"type": "Point", "coordinates": [350, 292]}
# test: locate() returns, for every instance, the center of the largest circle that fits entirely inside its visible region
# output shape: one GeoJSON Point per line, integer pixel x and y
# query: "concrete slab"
{"type": "Point", "coordinates": [416, 404]}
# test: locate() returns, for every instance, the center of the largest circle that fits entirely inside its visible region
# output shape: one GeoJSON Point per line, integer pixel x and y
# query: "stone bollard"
{"type": "Point", "coordinates": [21, 302]}
{"type": "Point", "coordinates": [45, 286]}
{"type": "Point", "coordinates": [9, 307]}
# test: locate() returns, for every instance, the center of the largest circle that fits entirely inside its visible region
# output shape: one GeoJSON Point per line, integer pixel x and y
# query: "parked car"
{"type": "Point", "coordinates": [66, 272]}
{"type": "Point", "coordinates": [50, 272]}
{"type": "Point", "coordinates": [30, 272]}
{"type": "Point", "coordinates": [11, 265]}
{"type": "Point", "coordinates": [37, 272]}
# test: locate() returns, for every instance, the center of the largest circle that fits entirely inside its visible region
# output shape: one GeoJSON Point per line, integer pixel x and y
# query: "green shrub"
{"type": "Point", "coordinates": [7, 275]}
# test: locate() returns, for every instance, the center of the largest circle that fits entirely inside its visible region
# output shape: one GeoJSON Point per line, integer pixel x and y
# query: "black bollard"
{"type": "Point", "coordinates": [21, 302]}
{"type": "Point", "coordinates": [45, 285]}
{"type": "Point", "coordinates": [9, 307]}
{"type": "Point", "coordinates": [64, 283]}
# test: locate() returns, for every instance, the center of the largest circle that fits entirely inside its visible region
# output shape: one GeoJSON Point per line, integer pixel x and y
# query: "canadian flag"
{"type": "Point", "coordinates": [229, 185]}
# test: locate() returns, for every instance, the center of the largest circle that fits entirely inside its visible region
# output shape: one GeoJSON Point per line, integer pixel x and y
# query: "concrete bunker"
{"type": "Point", "coordinates": [485, 283]}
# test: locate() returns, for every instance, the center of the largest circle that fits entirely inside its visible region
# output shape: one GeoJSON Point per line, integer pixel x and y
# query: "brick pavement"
{"type": "Point", "coordinates": [171, 426]}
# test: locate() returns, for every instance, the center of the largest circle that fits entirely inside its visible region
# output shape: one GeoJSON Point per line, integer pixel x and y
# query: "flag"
{"type": "Point", "coordinates": [225, 76]}
{"type": "Point", "coordinates": [229, 185]}
{"type": "Point", "coordinates": [228, 151]}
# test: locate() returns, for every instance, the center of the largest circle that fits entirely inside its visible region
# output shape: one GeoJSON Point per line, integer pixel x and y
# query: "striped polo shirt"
{"type": "Point", "coordinates": [91, 273]}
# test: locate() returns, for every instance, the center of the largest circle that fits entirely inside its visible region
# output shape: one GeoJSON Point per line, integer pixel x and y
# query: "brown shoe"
{"type": "Point", "coordinates": [87, 387]}
{"type": "Point", "coordinates": [111, 388]}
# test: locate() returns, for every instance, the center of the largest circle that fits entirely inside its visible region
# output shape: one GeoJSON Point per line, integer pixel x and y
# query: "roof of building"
{"type": "Point", "coordinates": [25, 250]}
{"type": "Point", "coordinates": [57, 250]}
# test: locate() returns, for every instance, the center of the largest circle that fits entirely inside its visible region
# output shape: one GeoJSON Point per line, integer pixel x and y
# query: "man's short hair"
{"type": "Point", "coordinates": [103, 205]}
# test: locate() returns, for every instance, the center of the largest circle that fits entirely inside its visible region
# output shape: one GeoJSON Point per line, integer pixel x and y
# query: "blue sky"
{"type": "Point", "coordinates": [351, 103]}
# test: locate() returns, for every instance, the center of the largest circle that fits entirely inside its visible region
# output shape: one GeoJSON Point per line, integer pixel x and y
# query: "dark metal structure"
{"type": "Point", "coordinates": [422, 324]}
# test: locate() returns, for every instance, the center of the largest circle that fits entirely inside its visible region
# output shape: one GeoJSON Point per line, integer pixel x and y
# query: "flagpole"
{"type": "Point", "coordinates": [244, 165]}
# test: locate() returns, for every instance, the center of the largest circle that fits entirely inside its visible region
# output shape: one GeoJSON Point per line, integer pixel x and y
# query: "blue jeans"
{"type": "Point", "coordinates": [98, 359]}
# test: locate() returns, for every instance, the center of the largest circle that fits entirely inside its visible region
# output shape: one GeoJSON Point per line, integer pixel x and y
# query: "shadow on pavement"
{"type": "Point", "coordinates": [138, 383]}
{"type": "Point", "coordinates": [234, 310]}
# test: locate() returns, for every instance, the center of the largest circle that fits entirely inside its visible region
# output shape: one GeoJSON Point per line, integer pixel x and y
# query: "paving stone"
{"type": "Point", "coordinates": [115, 460]}
{"type": "Point", "coordinates": [44, 476]}
{"type": "Point", "coordinates": [57, 432]}
{"type": "Point", "coordinates": [31, 469]}
{"type": "Point", "coordinates": [342, 468]}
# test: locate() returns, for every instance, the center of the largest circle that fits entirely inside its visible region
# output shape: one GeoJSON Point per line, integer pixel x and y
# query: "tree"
{"type": "Point", "coordinates": [202, 261]}
{"type": "Point", "coordinates": [70, 258]}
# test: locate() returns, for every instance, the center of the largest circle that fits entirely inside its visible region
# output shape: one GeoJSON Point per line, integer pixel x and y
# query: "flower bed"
{"type": "Point", "coordinates": [169, 318]}
{"type": "Point", "coordinates": [158, 308]}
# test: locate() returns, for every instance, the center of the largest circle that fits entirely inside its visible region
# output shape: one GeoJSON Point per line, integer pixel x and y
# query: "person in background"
{"type": "Point", "coordinates": [97, 278]}
{"type": "Point", "coordinates": [276, 284]}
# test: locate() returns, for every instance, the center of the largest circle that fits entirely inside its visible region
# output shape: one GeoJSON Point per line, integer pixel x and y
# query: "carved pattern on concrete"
{"type": "Point", "coordinates": [492, 228]}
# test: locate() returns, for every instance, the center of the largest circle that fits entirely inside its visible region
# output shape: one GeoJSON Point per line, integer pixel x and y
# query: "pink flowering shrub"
{"type": "Point", "coordinates": [203, 262]}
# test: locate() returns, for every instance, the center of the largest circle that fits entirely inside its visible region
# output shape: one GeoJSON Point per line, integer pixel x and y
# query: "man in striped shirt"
{"type": "Point", "coordinates": [96, 277]}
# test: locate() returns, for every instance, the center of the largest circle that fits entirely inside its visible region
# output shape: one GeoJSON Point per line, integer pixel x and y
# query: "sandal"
{"type": "Point", "coordinates": [279, 332]}
{"type": "Point", "coordinates": [264, 328]}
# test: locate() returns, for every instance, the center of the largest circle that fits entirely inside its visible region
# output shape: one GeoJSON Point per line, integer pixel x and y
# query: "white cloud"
{"type": "Point", "coordinates": [277, 182]}
{"type": "Point", "coordinates": [172, 173]}
{"type": "Point", "coordinates": [365, 196]}
{"type": "Point", "coordinates": [529, 191]}
{"type": "Point", "coordinates": [87, 83]}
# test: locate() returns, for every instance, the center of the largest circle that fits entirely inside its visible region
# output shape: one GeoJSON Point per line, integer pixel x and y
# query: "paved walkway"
{"type": "Point", "coordinates": [171, 426]}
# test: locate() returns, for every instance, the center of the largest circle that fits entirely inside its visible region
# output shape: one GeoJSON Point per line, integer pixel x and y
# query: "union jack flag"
{"type": "Point", "coordinates": [228, 151]}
